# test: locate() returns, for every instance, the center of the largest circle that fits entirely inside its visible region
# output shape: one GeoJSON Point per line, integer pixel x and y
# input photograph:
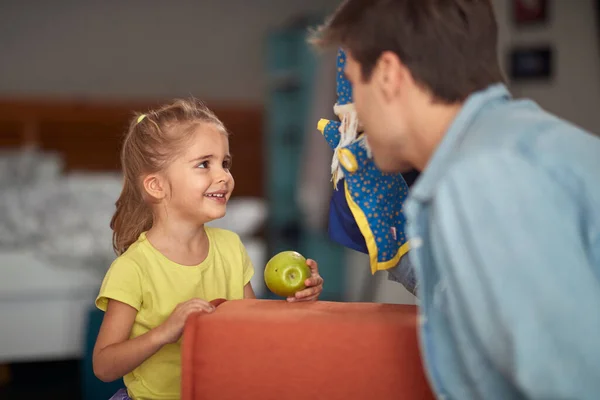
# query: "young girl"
{"type": "Point", "coordinates": [176, 167]}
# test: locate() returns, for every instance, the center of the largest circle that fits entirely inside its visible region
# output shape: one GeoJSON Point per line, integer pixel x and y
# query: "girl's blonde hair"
{"type": "Point", "coordinates": [152, 141]}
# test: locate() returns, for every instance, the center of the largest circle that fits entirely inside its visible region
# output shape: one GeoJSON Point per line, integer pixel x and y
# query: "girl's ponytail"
{"type": "Point", "coordinates": [132, 217]}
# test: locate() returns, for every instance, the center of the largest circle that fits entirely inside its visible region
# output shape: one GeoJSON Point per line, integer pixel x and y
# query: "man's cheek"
{"type": "Point", "coordinates": [374, 142]}
{"type": "Point", "coordinates": [371, 143]}
{"type": "Point", "coordinates": [357, 102]}
{"type": "Point", "coordinates": [362, 120]}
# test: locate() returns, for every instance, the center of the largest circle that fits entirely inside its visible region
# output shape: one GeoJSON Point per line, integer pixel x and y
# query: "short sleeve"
{"type": "Point", "coordinates": [507, 235]}
{"type": "Point", "coordinates": [123, 282]}
{"type": "Point", "coordinates": [248, 268]}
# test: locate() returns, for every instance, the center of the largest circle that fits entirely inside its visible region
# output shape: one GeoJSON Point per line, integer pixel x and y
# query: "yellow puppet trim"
{"type": "Point", "coordinates": [322, 125]}
{"type": "Point", "coordinates": [363, 225]}
{"type": "Point", "coordinates": [348, 160]}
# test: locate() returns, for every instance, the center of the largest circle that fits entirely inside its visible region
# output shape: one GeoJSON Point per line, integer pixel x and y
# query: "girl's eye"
{"type": "Point", "coordinates": [203, 165]}
{"type": "Point", "coordinates": [227, 164]}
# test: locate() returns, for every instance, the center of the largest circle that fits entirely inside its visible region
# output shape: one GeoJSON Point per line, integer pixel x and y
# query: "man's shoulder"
{"type": "Point", "coordinates": [522, 130]}
{"type": "Point", "coordinates": [523, 125]}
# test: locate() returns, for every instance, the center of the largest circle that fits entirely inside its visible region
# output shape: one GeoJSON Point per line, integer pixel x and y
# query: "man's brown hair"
{"type": "Point", "coordinates": [449, 46]}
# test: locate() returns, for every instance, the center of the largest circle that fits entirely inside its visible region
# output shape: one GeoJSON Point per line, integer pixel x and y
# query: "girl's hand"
{"type": "Point", "coordinates": [314, 285]}
{"type": "Point", "coordinates": [172, 329]}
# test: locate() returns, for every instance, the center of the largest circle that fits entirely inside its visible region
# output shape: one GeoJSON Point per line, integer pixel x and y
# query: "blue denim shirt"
{"type": "Point", "coordinates": [504, 225]}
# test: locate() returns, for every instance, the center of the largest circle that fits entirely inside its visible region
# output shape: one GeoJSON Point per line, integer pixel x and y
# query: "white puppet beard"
{"type": "Point", "coordinates": [349, 129]}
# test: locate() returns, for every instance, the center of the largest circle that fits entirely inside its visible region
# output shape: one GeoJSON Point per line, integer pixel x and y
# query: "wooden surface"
{"type": "Point", "coordinates": [88, 134]}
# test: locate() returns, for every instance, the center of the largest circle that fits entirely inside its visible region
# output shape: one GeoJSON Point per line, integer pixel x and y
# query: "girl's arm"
{"type": "Point", "coordinates": [249, 292]}
{"type": "Point", "coordinates": [115, 355]}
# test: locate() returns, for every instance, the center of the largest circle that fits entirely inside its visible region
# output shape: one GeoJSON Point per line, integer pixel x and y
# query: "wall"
{"type": "Point", "coordinates": [214, 49]}
{"type": "Point", "coordinates": [572, 29]}
{"type": "Point", "coordinates": [140, 49]}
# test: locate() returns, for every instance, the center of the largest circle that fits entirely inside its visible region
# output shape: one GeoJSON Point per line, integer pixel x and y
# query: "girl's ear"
{"type": "Point", "coordinates": [155, 186]}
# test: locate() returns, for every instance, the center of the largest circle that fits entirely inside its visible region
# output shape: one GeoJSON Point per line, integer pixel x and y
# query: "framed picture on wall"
{"type": "Point", "coordinates": [531, 64]}
{"type": "Point", "coordinates": [530, 12]}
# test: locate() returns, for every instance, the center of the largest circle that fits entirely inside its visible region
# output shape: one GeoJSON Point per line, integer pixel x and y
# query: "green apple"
{"type": "Point", "coordinates": [286, 273]}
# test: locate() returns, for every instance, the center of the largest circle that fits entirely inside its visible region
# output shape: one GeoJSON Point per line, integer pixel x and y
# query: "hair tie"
{"type": "Point", "coordinates": [140, 118]}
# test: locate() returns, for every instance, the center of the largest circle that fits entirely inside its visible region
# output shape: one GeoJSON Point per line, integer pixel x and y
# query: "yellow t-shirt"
{"type": "Point", "coordinates": [145, 279]}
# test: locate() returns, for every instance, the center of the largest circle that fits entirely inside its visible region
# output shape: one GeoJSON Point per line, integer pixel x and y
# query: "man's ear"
{"type": "Point", "coordinates": [390, 75]}
{"type": "Point", "coordinates": [155, 186]}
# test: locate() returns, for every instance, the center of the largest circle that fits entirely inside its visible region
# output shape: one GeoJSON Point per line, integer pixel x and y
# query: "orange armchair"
{"type": "Point", "coordinates": [270, 349]}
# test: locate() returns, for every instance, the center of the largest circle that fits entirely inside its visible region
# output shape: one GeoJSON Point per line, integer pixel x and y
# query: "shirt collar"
{"type": "Point", "coordinates": [437, 166]}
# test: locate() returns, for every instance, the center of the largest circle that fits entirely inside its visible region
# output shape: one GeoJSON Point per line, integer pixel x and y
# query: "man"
{"type": "Point", "coordinates": [504, 221]}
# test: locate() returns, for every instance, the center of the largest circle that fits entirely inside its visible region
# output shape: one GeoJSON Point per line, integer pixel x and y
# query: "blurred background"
{"type": "Point", "coordinates": [73, 72]}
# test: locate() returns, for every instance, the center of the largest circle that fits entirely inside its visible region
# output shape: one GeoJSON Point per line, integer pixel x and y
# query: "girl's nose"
{"type": "Point", "coordinates": [223, 175]}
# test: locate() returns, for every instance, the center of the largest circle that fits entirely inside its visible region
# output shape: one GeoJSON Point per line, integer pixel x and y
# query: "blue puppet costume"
{"type": "Point", "coordinates": [366, 209]}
